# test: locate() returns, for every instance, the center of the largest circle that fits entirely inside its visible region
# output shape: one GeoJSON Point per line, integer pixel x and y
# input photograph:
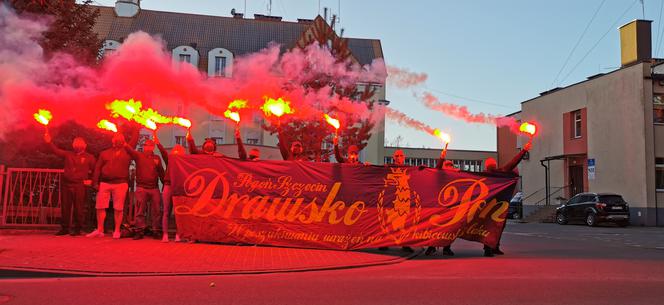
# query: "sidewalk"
{"type": "Point", "coordinates": [43, 252]}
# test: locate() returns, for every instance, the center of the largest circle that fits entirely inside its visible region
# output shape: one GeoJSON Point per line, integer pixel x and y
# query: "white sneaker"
{"type": "Point", "coordinates": [177, 238]}
{"type": "Point", "coordinates": [116, 235]}
{"type": "Point", "coordinates": [164, 238]}
{"type": "Point", "coordinates": [95, 233]}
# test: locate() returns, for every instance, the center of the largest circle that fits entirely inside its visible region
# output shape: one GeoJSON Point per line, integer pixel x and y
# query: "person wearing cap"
{"type": "Point", "coordinates": [111, 180]}
{"type": "Point", "coordinates": [209, 147]}
{"type": "Point", "coordinates": [254, 153]}
{"type": "Point", "coordinates": [353, 152]}
{"type": "Point", "coordinates": [77, 175]}
{"type": "Point", "coordinates": [149, 171]}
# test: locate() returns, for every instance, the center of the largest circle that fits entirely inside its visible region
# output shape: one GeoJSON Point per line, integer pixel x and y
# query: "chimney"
{"type": "Point", "coordinates": [127, 8]}
{"type": "Point", "coordinates": [266, 18]}
{"type": "Point", "coordinates": [635, 42]}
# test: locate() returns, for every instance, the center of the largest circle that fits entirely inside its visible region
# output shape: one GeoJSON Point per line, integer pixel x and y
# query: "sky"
{"type": "Point", "coordinates": [484, 54]}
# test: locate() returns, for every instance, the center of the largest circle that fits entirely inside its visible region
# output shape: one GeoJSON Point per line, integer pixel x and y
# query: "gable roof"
{"type": "Point", "coordinates": [238, 35]}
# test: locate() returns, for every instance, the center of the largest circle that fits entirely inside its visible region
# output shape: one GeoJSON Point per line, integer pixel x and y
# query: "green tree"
{"type": "Point", "coordinates": [313, 134]}
{"type": "Point", "coordinates": [70, 26]}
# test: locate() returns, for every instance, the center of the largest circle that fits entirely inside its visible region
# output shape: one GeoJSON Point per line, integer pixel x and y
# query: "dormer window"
{"type": "Point", "coordinates": [220, 63]}
{"type": "Point", "coordinates": [186, 54]}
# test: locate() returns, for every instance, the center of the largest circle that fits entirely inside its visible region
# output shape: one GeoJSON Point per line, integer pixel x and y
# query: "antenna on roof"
{"type": "Point", "coordinates": [245, 7]}
{"type": "Point", "coordinates": [269, 8]}
{"type": "Point", "coordinates": [325, 13]}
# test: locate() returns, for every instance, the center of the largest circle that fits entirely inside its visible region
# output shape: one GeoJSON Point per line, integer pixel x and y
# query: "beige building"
{"type": "Point", "coordinates": [604, 134]}
{"type": "Point", "coordinates": [211, 43]}
{"type": "Point", "coordinates": [468, 160]}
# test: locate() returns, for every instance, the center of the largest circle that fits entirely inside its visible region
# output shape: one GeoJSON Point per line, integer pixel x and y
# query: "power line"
{"type": "Point", "coordinates": [468, 98]}
{"type": "Point", "coordinates": [569, 56]}
{"type": "Point", "coordinates": [611, 28]}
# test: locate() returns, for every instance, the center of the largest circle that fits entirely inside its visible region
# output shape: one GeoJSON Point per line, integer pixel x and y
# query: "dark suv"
{"type": "Point", "coordinates": [592, 208]}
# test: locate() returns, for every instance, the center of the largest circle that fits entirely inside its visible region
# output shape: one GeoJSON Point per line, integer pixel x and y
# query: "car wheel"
{"type": "Point", "coordinates": [516, 215]}
{"type": "Point", "coordinates": [591, 219]}
{"type": "Point", "coordinates": [561, 219]}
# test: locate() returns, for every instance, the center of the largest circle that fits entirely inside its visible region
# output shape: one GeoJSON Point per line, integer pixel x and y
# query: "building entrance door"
{"type": "Point", "coordinates": [575, 180]}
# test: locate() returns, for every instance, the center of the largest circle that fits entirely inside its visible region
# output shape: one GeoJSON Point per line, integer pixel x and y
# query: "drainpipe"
{"type": "Point", "coordinates": [546, 180]}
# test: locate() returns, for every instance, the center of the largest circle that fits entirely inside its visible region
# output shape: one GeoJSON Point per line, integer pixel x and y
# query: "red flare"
{"type": "Point", "coordinates": [43, 116]}
{"type": "Point", "coordinates": [235, 116]}
{"type": "Point", "coordinates": [332, 121]}
{"type": "Point", "coordinates": [528, 128]}
{"type": "Point", "coordinates": [443, 136]}
{"type": "Point", "coordinates": [182, 122]}
{"type": "Point", "coordinates": [276, 107]}
{"type": "Point", "coordinates": [106, 125]}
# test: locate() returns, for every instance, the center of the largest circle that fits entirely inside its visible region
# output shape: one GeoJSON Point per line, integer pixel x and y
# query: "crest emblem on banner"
{"type": "Point", "coordinates": [397, 216]}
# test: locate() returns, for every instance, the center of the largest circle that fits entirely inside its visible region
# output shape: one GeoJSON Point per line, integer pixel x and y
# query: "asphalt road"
{"type": "Point", "coordinates": [544, 264]}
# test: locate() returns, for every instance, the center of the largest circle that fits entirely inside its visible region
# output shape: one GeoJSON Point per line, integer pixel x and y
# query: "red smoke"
{"type": "Point", "coordinates": [405, 120]}
{"type": "Point", "coordinates": [462, 113]}
{"type": "Point", "coordinates": [402, 78]}
{"type": "Point", "coordinates": [143, 69]}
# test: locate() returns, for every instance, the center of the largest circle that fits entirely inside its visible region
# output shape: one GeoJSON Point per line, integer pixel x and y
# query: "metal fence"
{"type": "Point", "coordinates": [31, 196]}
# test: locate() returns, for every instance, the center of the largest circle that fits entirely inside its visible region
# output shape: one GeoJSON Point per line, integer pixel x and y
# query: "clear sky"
{"type": "Point", "coordinates": [488, 55]}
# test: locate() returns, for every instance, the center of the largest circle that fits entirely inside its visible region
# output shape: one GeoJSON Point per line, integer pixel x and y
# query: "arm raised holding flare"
{"type": "Point", "coordinates": [241, 151]}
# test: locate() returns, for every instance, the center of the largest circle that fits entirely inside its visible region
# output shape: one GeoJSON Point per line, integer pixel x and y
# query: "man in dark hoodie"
{"type": "Point", "coordinates": [209, 147]}
{"type": "Point", "coordinates": [254, 153]}
{"type": "Point", "coordinates": [111, 179]}
{"type": "Point", "coordinates": [78, 169]}
{"type": "Point", "coordinates": [296, 152]}
{"type": "Point", "coordinates": [510, 169]}
{"type": "Point", "coordinates": [353, 153]}
{"type": "Point", "coordinates": [149, 171]}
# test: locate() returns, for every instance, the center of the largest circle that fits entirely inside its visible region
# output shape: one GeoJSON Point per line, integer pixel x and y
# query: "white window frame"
{"type": "Point", "coordinates": [213, 55]}
{"type": "Point", "coordinates": [185, 50]}
{"type": "Point", "coordinates": [579, 120]}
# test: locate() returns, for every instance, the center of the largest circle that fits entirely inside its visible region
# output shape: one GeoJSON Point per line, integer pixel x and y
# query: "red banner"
{"type": "Point", "coordinates": [335, 206]}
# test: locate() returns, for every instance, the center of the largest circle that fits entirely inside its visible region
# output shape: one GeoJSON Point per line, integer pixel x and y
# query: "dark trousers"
{"type": "Point", "coordinates": [73, 201]}
{"type": "Point", "coordinates": [142, 197]}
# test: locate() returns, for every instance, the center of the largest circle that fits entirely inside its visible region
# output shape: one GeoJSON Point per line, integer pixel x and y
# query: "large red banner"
{"type": "Point", "coordinates": [335, 206]}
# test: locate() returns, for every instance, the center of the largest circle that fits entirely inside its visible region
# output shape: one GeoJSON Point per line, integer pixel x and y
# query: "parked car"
{"type": "Point", "coordinates": [515, 210]}
{"type": "Point", "coordinates": [593, 208]}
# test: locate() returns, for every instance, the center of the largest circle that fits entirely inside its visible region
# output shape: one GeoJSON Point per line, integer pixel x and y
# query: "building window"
{"type": "Point", "coordinates": [185, 58]}
{"type": "Point", "coordinates": [252, 141]}
{"type": "Point", "coordinates": [182, 140]}
{"type": "Point", "coordinates": [218, 140]}
{"type": "Point", "coordinates": [219, 66]}
{"type": "Point", "coordinates": [220, 63]}
{"type": "Point", "coordinates": [577, 124]}
{"type": "Point", "coordinates": [658, 109]}
{"type": "Point", "coordinates": [659, 174]}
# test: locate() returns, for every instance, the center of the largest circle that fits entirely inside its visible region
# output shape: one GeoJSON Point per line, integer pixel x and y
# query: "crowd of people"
{"type": "Point", "coordinates": [109, 176]}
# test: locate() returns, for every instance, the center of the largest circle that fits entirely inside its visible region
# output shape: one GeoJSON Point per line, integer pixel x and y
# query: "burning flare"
{"type": "Point", "coordinates": [43, 116]}
{"type": "Point", "coordinates": [182, 122]}
{"type": "Point", "coordinates": [150, 124]}
{"type": "Point", "coordinates": [276, 107]}
{"type": "Point", "coordinates": [125, 109]}
{"type": "Point", "coordinates": [237, 104]}
{"type": "Point", "coordinates": [331, 121]}
{"type": "Point", "coordinates": [106, 125]}
{"type": "Point", "coordinates": [443, 136]}
{"type": "Point", "coordinates": [528, 128]}
{"type": "Point", "coordinates": [235, 116]}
